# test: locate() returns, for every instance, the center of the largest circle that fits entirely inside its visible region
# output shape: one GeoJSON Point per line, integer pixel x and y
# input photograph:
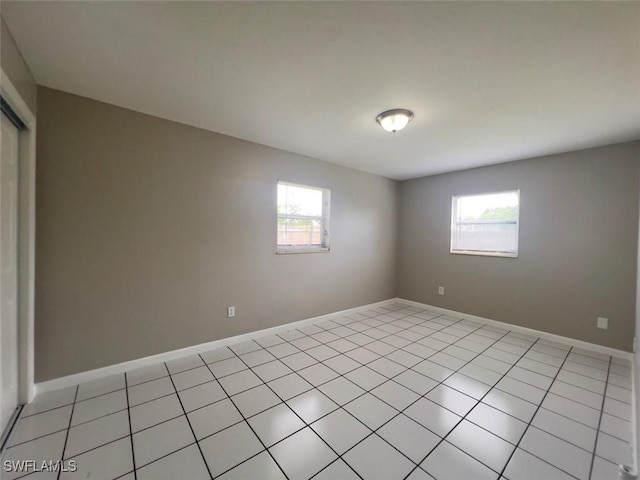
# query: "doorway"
{"type": "Point", "coordinates": [9, 356]}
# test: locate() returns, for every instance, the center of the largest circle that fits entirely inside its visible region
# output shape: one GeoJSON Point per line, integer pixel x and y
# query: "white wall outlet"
{"type": "Point", "coordinates": [231, 312]}
{"type": "Point", "coordinates": [603, 323]}
{"type": "Point", "coordinates": [440, 290]}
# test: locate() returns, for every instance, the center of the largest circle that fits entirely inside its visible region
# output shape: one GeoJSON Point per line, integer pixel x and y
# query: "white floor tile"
{"type": "Point", "coordinates": [261, 466]}
{"type": "Point", "coordinates": [302, 455]}
{"type": "Point", "coordinates": [109, 461]}
{"type": "Point", "coordinates": [370, 410]}
{"type": "Point", "coordinates": [239, 382]}
{"type": "Point", "coordinates": [532, 378]}
{"type": "Point", "coordinates": [99, 406]}
{"type": "Point", "coordinates": [96, 433]}
{"type": "Point", "coordinates": [341, 364]}
{"type": "Point", "coordinates": [447, 462]}
{"type": "Point", "coordinates": [50, 400]}
{"type": "Point", "coordinates": [312, 405]}
{"type": "Point", "coordinates": [220, 354]}
{"type": "Point", "coordinates": [298, 360]}
{"type": "Point", "coordinates": [431, 415]}
{"type": "Point", "coordinates": [100, 387]}
{"type": "Point", "coordinates": [604, 470]}
{"type": "Point", "coordinates": [433, 370]}
{"type": "Point", "coordinates": [566, 429]}
{"type": "Point", "coordinates": [497, 422]}
{"type": "Point", "coordinates": [154, 412]}
{"type": "Point", "coordinates": [191, 378]}
{"type": "Point", "coordinates": [147, 391]}
{"type": "Point", "coordinates": [226, 367]}
{"type": "Point", "coordinates": [205, 394]}
{"type": "Point", "coordinates": [213, 418]}
{"type": "Point", "coordinates": [49, 447]}
{"type": "Point", "coordinates": [365, 378]}
{"type": "Point", "coordinates": [375, 459]}
{"type": "Point", "coordinates": [489, 449]}
{"type": "Point", "coordinates": [228, 448]}
{"type": "Point", "coordinates": [290, 385]}
{"type": "Point", "coordinates": [616, 427]}
{"type": "Point", "coordinates": [451, 399]}
{"type": "Point", "coordinates": [577, 394]}
{"type": "Point", "coordinates": [185, 363]}
{"type": "Point", "coordinates": [559, 453]}
{"type": "Point", "coordinates": [416, 382]}
{"type": "Point", "coordinates": [467, 385]}
{"type": "Point", "coordinates": [185, 463]}
{"type": "Point", "coordinates": [521, 389]}
{"type": "Point", "coordinates": [574, 410]}
{"type": "Point", "coordinates": [274, 424]}
{"type": "Point", "coordinates": [524, 466]}
{"type": "Point", "coordinates": [255, 400]}
{"type": "Point", "coordinates": [146, 374]}
{"type": "Point", "coordinates": [337, 470]}
{"type": "Point", "coordinates": [161, 440]}
{"type": "Point", "coordinates": [271, 370]}
{"type": "Point", "coordinates": [30, 428]}
{"type": "Point", "coordinates": [510, 404]}
{"type": "Point", "coordinates": [409, 437]}
{"type": "Point", "coordinates": [613, 449]}
{"type": "Point", "coordinates": [341, 390]}
{"type": "Point", "coordinates": [317, 374]}
{"type": "Point", "coordinates": [340, 430]}
{"type": "Point", "coordinates": [396, 395]}
{"type": "Point", "coordinates": [386, 367]}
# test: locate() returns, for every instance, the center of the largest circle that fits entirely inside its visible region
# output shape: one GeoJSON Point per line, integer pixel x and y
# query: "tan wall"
{"type": "Point", "coordinates": [577, 249]}
{"type": "Point", "coordinates": [15, 67]}
{"type": "Point", "coordinates": [148, 229]}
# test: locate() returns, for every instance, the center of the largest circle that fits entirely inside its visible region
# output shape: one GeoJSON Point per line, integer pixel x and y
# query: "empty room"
{"type": "Point", "coordinates": [330, 240]}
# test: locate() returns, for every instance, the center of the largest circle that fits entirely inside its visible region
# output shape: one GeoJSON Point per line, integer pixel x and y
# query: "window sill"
{"type": "Point", "coordinates": [289, 251]}
{"type": "Point", "coordinates": [484, 254]}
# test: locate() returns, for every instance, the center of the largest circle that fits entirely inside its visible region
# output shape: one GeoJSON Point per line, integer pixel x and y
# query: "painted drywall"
{"type": "Point", "coordinates": [148, 229]}
{"type": "Point", "coordinates": [577, 245]}
{"type": "Point", "coordinates": [14, 66]}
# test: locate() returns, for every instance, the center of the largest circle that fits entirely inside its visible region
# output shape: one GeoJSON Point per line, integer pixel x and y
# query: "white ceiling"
{"type": "Point", "coordinates": [489, 82]}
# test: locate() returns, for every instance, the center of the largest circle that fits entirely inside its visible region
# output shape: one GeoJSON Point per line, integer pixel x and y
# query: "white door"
{"type": "Point", "coordinates": [8, 272]}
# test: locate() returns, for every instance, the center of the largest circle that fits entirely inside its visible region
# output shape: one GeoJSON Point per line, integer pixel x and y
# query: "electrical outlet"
{"type": "Point", "coordinates": [231, 312]}
{"type": "Point", "coordinates": [440, 290]}
{"type": "Point", "coordinates": [603, 323]}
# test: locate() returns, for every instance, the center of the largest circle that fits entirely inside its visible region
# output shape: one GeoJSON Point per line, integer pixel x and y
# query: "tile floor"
{"type": "Point", "coordinates": [389, 393]}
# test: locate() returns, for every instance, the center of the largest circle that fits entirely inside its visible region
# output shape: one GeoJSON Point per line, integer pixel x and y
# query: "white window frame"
{"type": "Point", "coordinates": [324, 222]}
{"type": "Point", "coordinates": [484, 253]}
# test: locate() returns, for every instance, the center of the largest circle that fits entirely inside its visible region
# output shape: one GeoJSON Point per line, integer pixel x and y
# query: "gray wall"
{"type": "Point", "coordinates": [577, 249]}
{"type": "Point", "coordinates": [148, 229]}
{"type": "Point", "coordinates": [15, 67]}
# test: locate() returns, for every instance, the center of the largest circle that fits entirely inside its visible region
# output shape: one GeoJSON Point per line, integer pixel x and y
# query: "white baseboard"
{"type": "Point", "coordinates": [529, 331]}
{"type": "Point", "coordinates": [76, 378]}
{"type": "Point", "coordinates": [98, 373]}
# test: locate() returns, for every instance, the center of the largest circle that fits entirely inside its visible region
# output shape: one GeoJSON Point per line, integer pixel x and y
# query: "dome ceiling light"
{"type": "Point", "coordinates": [394, 120]}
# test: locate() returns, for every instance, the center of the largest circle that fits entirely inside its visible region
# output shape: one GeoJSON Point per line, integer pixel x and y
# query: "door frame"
{"type": "Point", "coordinates": [26, 238]}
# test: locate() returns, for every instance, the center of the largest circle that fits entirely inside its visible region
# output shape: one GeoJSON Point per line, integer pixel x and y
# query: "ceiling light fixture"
{"type": "Point", "coordinates": [394, 120]}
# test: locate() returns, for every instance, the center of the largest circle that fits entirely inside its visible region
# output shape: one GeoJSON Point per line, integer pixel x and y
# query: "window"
{"type": "Point", "coordinates": [486, 224]}
{"type": "Point", "coordinates": [303, 218]}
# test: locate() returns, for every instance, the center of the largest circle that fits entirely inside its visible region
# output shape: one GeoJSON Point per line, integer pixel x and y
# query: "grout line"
{"type": "Point", "coordinates": [189, 422]}
{"type": "Point", "coordinates": [595, 443]}
{"type": "Point", "coordinates": [249, 425]}
{"type": "Point", "coordinates": [463, 417]}
{"type": "Point", "coordinates": [133, 453]}
{"type": "Point", "coordinates": [531, 420]}
{"type": "Point", "coordinates": [66, 438]}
